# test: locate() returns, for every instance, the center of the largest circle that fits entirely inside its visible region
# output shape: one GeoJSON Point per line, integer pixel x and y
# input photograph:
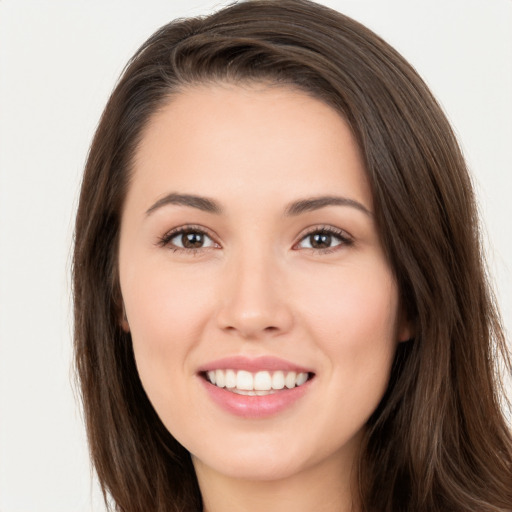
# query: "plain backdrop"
{"type": "Point", "coordinates": [59, 60]}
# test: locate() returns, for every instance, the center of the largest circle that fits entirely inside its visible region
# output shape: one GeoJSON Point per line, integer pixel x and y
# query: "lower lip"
{"type": "Point", "coordinates": [247, 406]}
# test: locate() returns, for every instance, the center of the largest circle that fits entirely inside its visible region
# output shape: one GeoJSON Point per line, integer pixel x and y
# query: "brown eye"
{"type": "Point", "coordinates": [324, 239]}
{"type": "Point", "coordinates": [188, 239]}
{"type": "Point", "coordinates": [320, 240]}
{"type": "Point", "coordinates": [192, 240]}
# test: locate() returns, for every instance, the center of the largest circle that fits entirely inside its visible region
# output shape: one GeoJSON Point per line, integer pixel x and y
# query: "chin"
{"type": "Point", "coordinates": [255, 468]}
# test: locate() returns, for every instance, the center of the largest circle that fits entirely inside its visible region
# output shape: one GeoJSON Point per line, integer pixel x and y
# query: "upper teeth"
{"type": "Point", "coordinates": [259, 381]}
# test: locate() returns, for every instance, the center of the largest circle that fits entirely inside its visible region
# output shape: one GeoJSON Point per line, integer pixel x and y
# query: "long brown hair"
{"type": "Point", "coordinates": [438, 441]}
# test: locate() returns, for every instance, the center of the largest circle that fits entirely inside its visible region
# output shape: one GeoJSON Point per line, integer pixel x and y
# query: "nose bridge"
{"type": "Point", "coordinates": [253, 300]}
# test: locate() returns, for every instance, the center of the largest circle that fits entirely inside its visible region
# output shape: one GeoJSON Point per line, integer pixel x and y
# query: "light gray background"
{"type": "Point", "coordinates": [58, 62]}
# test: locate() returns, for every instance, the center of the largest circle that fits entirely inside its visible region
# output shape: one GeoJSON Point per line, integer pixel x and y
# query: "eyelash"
{"type": "Point", "coordinates": [165, 241]}
{"type": "Point", "coordinates": [344, 238]}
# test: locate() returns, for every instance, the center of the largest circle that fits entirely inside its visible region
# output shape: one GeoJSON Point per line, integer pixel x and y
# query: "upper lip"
{"type": "Point", "coordinates": [253, 364]}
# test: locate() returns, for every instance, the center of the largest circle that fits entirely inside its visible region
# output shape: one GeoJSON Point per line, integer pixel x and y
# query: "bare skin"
{"type": "Point", "coordinates": [248, 231]}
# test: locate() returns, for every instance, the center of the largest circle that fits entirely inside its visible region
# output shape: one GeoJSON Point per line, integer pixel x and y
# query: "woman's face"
{"type": "Point", "coordinates": [263, 312]}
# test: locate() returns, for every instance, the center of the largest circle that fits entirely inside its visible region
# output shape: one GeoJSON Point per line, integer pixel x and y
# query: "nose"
{"type": "Point", "coordinates": [253, 299]}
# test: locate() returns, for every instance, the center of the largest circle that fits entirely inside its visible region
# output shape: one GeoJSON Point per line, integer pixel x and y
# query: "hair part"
{"type": "Point", "coordinates": [438, 440]}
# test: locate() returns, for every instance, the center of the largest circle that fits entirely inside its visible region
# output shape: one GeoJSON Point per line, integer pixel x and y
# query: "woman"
{"type": "Point", "coordinates": [280, 300]}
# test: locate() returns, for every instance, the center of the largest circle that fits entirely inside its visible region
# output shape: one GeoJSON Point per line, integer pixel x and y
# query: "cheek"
{"type": "Point", "coordinates": [352, 316]}
{"type": "Point", "coordinates": [166, 313]}
{"type": "Point", "coordinates": [357, 304]}
{"type": "Point", "coordinates": [163, 303]}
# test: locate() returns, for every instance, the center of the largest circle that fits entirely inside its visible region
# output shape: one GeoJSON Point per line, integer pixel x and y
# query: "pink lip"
{"type": "Point", "coordinates": [254, 407]}
{"type": "Point", "coordinates": [268, 363]}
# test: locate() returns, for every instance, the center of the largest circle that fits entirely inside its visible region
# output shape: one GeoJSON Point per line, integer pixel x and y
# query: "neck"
{"type": "Point", "coordinates": [328, 487]}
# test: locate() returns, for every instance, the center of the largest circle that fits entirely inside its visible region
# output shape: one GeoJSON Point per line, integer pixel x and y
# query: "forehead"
{"type": "Point", "coordinates": [256, 139]}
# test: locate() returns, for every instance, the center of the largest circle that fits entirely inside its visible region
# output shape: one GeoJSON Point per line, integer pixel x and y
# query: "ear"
{"type": "Point", "coordinates": [405, 334]}
{"type": "Point", "coordinates": [119, 307]}
{"type": "Point", "coordinates": [405, 327]}
{"type": "Point", "coordinates": [124, 321]}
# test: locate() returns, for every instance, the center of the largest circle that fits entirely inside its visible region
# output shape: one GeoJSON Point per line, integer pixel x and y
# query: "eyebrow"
{"type": "Point", "coordinates": [293, 209]}
{"type": "Point", "coordinates": [199, 202]}
{"type": "Point", "coordinates": [315, 203]}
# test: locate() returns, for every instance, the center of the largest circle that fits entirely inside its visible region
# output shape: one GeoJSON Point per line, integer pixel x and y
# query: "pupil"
{"type": "Point", "coordinates": [320, 240]}
{"type": "Point", "coordinates": [192, 240]}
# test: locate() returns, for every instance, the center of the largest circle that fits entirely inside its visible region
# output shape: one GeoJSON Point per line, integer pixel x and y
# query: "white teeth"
{"type": "Point", "coordinates": [230, 379]}
{"type": "Point", "coordinates": [259, 383]}
{"type": "Point", "coordinates": [290, 379]}
{"type": "Point", "coordinates": [278, 380]}
{"type": "Point", "coordinates": [220, 378]}
{"type": "Point", "coordinates": [262, 381]}
{"type": "Point", "coordinates": [244, 380]}
{"type": "Point", "coordinates": [301, 379]}
{"type": "Point", "coordinates": [251, 392]}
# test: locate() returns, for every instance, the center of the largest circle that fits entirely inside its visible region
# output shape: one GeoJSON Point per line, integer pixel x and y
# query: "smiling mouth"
{"type": "Point", "coordinates": [260, 383]}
